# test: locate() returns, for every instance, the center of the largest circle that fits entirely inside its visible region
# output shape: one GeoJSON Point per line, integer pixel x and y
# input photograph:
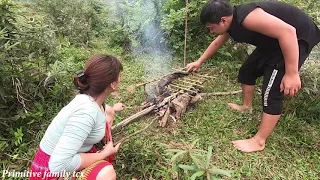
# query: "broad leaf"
{"type": "Point", "coordinates": [173, 150]}
{"type": "Point", "coordinates": [194, 143]}
{"type": "Point", "coordinates": [187, 167]}
{"type": "Point", "coordinates": [198, 162]}
{"type": "Point", "coordinates": [209, 155]}
{"type": "Point", "coordinates": [215, 178]}
{"type": "Point", "coordinates": [197, 174]}
{"type": "Point", "coordinates": [215, 170]}
{"type": "Point", "coordinates": [174, 158]}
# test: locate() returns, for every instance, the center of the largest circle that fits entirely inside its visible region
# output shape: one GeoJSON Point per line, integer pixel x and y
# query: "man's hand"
{"type": "Point", "coordinates": [290, 84]}
{"type": "Point", "coordinates": [193, 66]}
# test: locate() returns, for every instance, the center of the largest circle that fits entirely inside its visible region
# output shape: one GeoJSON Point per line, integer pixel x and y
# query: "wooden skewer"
{"type": "Point", "coordinates": [172, 89]}
{"type": "Point", "coordinates": [205, 76]}
{"type": "Point", "coordinates": [191, 83]}
{"type": "Point", "coordinates": [156, 79]}
{"type": "Point", "coordinates": [179, 86]}
{"type": "Point", "coordinates": [180, 91]}
{"type": "Point", "coordinates": [188, 95]}
{"type": "Point", "coordinates": [181, 70]}
{"type": "Point", "coordinates": [193, 80]}
{"type": "Point", "coordinates": [183, 88]}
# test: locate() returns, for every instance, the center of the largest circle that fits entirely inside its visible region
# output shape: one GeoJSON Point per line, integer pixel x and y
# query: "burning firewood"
{"type": "Point", "coordinates": [166, 116]}
{"type": "Point", "coordinates": [170, 96]}
{"type": "Point", "coordinates": [180, 105]}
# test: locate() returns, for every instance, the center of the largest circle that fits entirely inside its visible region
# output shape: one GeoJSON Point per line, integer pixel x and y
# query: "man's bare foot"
{"type": "Point", "coordinates": [241, 108]}
{"type": "Point", "coordinates": [249, 145]}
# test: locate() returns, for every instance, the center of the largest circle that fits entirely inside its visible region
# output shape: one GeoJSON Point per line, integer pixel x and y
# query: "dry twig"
{"type": "Point", "coordinates": [132, 118]}
{"type": "Point", "coordinates": [127, 137]}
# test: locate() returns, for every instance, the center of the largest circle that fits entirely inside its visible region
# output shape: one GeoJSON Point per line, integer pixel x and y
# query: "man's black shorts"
{"type": "Point", "coordinates": [271, 66]}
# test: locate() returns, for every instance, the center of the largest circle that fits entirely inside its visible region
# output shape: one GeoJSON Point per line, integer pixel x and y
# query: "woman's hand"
{"type": "Point", "coordinates": [118, 107]}
{"type": "Point", "coordinates": [109, 150]}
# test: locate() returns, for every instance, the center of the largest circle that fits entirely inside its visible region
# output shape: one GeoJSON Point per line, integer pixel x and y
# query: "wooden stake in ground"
{"type": "Point", "coordinates": [185, 36]}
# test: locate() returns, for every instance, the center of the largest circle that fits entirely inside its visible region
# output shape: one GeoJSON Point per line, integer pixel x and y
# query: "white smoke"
{"type": "Point", "coordinates": [141, 18]}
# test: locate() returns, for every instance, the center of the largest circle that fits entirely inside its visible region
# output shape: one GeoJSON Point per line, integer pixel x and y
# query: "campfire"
{"type": "Point", "coordinates": [169, 96]}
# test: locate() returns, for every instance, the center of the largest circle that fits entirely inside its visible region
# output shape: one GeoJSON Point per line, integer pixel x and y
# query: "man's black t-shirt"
{"type": "Point", "coordinates": [306, 29]}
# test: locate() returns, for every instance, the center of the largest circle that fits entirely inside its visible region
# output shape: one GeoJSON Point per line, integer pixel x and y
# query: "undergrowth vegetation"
{"type": "Point", "coordinates": [44, 42]}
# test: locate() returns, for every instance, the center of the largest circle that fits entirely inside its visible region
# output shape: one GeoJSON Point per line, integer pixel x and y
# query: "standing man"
{"type": "Point", "coordinates": [284, 37]}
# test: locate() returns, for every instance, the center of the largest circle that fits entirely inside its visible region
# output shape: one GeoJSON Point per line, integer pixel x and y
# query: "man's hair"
{"type": "Point", "coordinates": [214, 10]}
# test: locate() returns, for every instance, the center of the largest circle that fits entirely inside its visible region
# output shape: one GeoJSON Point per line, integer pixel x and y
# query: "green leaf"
{"type": "Point", "coordinates": [173, 150]}
{"type": "Point", "coordinates": [15, 156]}
{"type": "Point", "coordinates": [32, 121]}
{"type": "Point", "coordinates": [198, 162]}
{"type": "Point", "coordinates": [209, 155]}
{"type": "Point", "coordinates": [197, 174]}
{"type": "Point", "coordinates": [194, 143]}
{"type": "Point", "coordinates": [2, 94]}
{"type": "Point", "coordinates": [12, 46]}
{"type": "Point", "coordinates": [215, 170]}
{"type": "Point", "coordinates": [215, 178]}
{"type": "Point", "coordinates": [174, 158]}
{"type": "Point", "coordinates": [187, 167]}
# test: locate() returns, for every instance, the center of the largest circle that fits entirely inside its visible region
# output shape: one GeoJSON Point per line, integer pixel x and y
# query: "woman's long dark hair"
{"type": "Point", "coordinates": [99, 72]}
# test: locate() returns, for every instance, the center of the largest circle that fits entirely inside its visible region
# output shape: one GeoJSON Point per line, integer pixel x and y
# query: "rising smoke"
{"type": "Point", "coordinates": [141, 19]}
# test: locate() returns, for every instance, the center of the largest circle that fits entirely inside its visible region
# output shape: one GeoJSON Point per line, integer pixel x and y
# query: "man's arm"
{"type": "Point", "coordinates": [214, 46]}
{"type": "Point", "coordinates": [211, 50]}
{"type": "Point", "coordinates": [269, 25]}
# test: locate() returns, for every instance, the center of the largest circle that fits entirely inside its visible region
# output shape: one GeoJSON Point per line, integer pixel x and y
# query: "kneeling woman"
{"type": "Point", "coordinates": [67, 145]}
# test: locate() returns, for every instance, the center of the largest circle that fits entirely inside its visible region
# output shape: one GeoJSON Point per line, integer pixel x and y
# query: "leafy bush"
{"type": "Point", "coordinates": [78, 21]}
{"type": "Point", "coordinates": [196, 161]}
{"type": "Point", "coordinates": [36, 71]}
{"type": "Point", "coordinates": [198, 37]}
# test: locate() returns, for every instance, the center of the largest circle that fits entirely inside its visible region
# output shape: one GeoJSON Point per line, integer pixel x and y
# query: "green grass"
{"type": "Point", "coordinates": [292, 151]}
